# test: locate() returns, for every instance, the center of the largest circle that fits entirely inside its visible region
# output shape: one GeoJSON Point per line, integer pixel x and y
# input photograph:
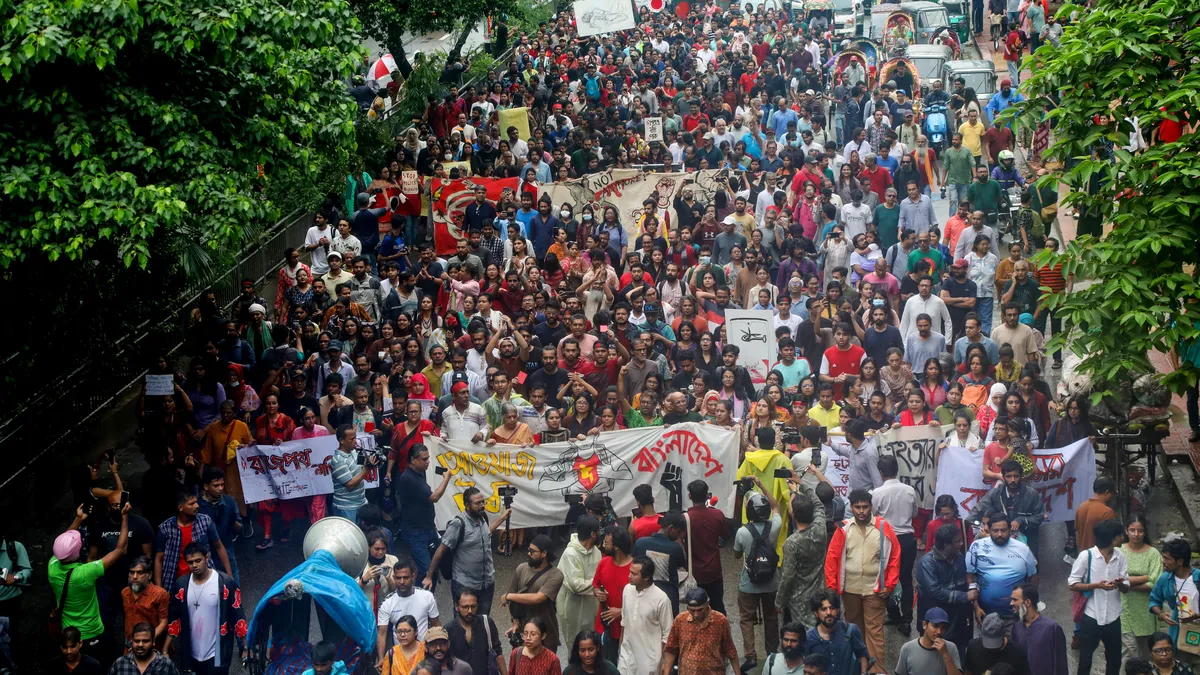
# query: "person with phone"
{"type": "Point", "coordinates": [103, 533]}
{"type": "Point", "coordinates": [1102, 573]}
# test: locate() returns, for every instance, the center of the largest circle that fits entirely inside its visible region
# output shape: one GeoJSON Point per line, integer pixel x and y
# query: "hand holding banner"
{"type": "Point", "coordinates": [1064, 478]}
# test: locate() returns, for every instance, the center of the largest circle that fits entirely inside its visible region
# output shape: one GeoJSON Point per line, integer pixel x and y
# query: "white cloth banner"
{"type": "Point", "coordinates": [654, 129]}
{"type": "Point", "coordinates": [626, 189]}
{"type": "Point", "coordinates": [601, 17]}
{"type": "Point", "coordinates": [751, 330]}
{"type": "Point", "coordinates": [610, 463]}
{"type": "Point", "coordinates": [293, 469]}
{"type": "Point", "coordinates": [1064, 478]}
{"type": "Point", "coordinates": [914, 449]}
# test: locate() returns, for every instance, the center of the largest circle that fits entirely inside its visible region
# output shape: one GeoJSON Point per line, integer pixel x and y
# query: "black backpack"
{"type": "Point", "coordinates": [762, 560]}
{"type": "Point", "coordinates": [446, 564]}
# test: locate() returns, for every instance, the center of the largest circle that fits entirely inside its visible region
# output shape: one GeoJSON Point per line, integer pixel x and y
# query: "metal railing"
{"type": "Point", "coordinates": [65, 412]}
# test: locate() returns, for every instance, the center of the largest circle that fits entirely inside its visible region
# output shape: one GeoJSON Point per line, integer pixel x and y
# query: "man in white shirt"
{"type": "Point", "coordinates": [859, 145]}
{"type": "Point", "coordinates": [646, 619]}
{"type": "Point", "coordinates": [766, 199]}
{"type": "Point", "coordinates": [925, 302]}
{"type": "Point", "coordinates": [407, 600]}
{"type": "Point", "coordinates": [1102, 571]}
{"type": "Point", "coordinates": [317, 242]}
{"type": "Point", "coordinates": [721, 135]}
{"type": "Point", "coordinates": [784, 316]}
{"type": "Point", "coordinates": [898, 502]}
{"type": "Point", "coordinates": [463, 420]}
{"type": "Point", "coordinates": [855, 216]}
{"type": "Point", "coordinates": [465, 128]}
{"type": "Point", "coordinates": [518, 147]}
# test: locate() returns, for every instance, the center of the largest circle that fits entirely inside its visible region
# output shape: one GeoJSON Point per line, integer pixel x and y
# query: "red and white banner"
{"type": "Point", "coordinates": [448, 203]}
{"type": "Point", "coordinates": [1064, 477]}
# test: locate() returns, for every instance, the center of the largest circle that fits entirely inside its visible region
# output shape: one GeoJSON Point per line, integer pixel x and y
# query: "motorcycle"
{"type": "Point", "coordinates": [935, 126]}
{"type": "Point", "coordinates": [1006, 223]}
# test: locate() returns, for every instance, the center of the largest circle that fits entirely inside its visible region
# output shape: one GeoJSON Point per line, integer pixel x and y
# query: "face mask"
{"type": "Point", "coordinates": [587, 216]}
{"type": "Point", "coordinates": [704, 260]}
{"type": "Point", "coordinates": [565, 214]}
{"type": "Point", "coordinates": [448, 155]}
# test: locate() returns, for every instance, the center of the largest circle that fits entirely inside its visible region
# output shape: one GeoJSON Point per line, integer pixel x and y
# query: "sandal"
{"type": "Point", "coordinates": [285, 536]}
{"type": "Point", "coordinates": [264, 545]}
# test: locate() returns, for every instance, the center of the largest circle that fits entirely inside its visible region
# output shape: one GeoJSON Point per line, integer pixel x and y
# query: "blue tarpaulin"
{"type": "Point", "coordinates": [335, 592]}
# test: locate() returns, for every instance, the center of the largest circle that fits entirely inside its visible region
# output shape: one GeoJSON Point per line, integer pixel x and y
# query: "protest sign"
{"type": "Point", "coordinates": [160, 385]}
{"type": "Point", "coordinates": [449, 201]}
{"type": "Point", "coordinates": [515, 117]}
{"type": "Point", "coordinates": [1064, 477]}
{"type": "Point", "coordinates": [293, 469]}
{"type": "Point", "coordinates": [654, 129]}
{"type": "Point", "coordinates": [549, 476]}
{"type": "Point", "coordinates": [914, 449]}
{"type": "Point", "coordinates": [751, 330]}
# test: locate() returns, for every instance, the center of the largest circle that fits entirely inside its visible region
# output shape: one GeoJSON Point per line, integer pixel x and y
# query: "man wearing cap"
{"type": "Point", "coordinates": [700, 641]}
{"type": "Point", "coordinates": [710, 151]}
{"type": "Point", "coordinates": [728, 238]}
{"type": "Point", "coordinates": [930, 654]}
{"type": "Point", "coordinates": [334, 363]}
{"type": "Point", "coordinates": [992, 647]}
{"type": "Point", "coordinates": [82, 609]}
{"type": "Point", "coordinates": [437, 646]}
{"type": "Point", "coordinates": [336, 274]}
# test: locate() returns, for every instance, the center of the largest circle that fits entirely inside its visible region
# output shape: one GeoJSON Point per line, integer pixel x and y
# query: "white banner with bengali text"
{"type": "Point", "coordinates": [1064, 478]}
{"type": "Point", "coordinates": [293, 469]}
{"type": "Point", "coordinates": [915, 449]}
{"type": "Point", "coordinates": [549, 476]}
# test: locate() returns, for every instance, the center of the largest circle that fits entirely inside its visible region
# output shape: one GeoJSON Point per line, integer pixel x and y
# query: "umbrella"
{"type": "Point", "coordinates": [381, 71]}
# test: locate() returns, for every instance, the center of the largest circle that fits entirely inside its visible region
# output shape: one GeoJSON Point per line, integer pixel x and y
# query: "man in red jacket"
{"type": "Point", "coordinates": [863, 565]}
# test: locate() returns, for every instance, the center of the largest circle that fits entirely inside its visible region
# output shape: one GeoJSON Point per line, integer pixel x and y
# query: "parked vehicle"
{"type": "Point", "coordinates": [928, 17]}
{"type": "Point", "coordinates": [980, 75]}
{"type": "Point", "coordinates": [929, 60]}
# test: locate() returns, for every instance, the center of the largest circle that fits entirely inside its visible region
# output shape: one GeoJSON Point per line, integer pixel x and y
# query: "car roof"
{"type": "Point", "coordinates": [929, 50]}
{"type": "Point", "coordinates": [918, 5]}
{"type": "Point", "coordinates": [971, 64]}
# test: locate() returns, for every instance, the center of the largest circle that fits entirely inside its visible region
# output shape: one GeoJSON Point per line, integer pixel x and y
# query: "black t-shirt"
{"type": "Point", "coordinates": [550, 335]}
{"type": "Point", "coordinates": [87, 666]}
{"type": "Point", "coordinates": [959, 289]}
{"type": "Point", "coordinates": [290, 404]}
{"type": "Point", "coordinates": [476, 651]}
{"type": "Point", "coordinates": [553, 382]}
{"type": "Point", "coordinates": [908, 286]}
{"type": "Point", "coordinates": [104, 533]}
{"type": "Point", "coordinates": [980, 660]}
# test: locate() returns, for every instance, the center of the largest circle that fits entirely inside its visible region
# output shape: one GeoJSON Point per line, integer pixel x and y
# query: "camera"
{"type": "Point", "coordinates": [363, 455]}
{"type": "Point", "coordinates": [744, 485]}
{"type": "Point", "coordinates": [507, 492]}
{"type": "Point", "coordinates": [573, 498]}
{"type": "Point", "coordinates": [790, 436]}
{"type": "Point", "coordinates": [515, 640]}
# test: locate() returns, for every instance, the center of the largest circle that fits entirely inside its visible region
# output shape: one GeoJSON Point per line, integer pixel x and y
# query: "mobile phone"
{"type": "Point", "coordinates": [783, 473]}
{"type": "Point", "coordinates": [603, 329]}
{"type": "Point", "coordinates": [110, 455]}
{"type": "Point", "coordinates": [439, 470]}
{"type": "Point", "coordinates": [636, 512]}
{"type": "Point", "coordinates": [124, 498]}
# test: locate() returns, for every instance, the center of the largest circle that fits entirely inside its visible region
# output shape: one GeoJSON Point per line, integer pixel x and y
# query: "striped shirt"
{"type": "Point", "coordinates": [345, 468]}
{"type": "Point", "coordinates": [1052, 277]}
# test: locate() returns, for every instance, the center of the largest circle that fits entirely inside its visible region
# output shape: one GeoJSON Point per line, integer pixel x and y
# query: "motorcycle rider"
{"type": "Point", "coordinates": [1006, 172]}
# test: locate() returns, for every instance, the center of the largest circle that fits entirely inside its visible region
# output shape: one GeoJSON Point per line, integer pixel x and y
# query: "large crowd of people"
{"type": "Point", "coordinates": [884, 315]}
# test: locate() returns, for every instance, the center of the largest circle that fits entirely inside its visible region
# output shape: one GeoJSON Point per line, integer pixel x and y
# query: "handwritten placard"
{"type": "Point", "coordinates": [160, 385]}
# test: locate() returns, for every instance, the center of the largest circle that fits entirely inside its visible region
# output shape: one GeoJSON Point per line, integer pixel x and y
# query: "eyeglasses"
{"type": "Point", "coordinates": [1162, 650]}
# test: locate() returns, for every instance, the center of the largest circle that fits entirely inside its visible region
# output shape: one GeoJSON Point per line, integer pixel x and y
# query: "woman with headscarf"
{"type": "Point", "coordinates": [987, 414]}
{"type": "Point", "coordinates": [222, 439]}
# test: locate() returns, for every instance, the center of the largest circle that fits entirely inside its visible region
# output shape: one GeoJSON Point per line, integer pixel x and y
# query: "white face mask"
{"type": "Point", "coordinates": [565, 214]}
{"type": "Point", "coordinates": [587, 216]}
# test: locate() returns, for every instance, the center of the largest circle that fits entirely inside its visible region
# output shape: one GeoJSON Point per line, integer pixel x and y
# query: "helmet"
{"type": "Point", "coordinates": [758, 509]}
{"type": "Point", "coordinates": [1006, 155]}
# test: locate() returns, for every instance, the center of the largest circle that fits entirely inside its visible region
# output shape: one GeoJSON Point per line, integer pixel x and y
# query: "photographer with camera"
{"type": "Point", "coordinates": [349, 470]}
{"type": "Point", "coordinates": [532, 593]}
{"type": "Point", "coordinates": [468, 538]}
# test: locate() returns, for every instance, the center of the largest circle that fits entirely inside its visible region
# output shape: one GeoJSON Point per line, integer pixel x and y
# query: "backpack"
{"type": "Point", "coordinates": [446, 564]}
{"type": "Point", "coordinates": [762, 560]}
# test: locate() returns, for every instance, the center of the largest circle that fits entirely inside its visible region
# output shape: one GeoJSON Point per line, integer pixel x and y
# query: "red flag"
{"type": "Point", "coordinates": [449, 201]}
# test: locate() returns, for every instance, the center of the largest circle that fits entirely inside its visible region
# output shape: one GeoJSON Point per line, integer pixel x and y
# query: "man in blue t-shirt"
{"type": "Point", "coordinates": [793, 369]}
{"type": "Point", "coordinates": [996, 565]}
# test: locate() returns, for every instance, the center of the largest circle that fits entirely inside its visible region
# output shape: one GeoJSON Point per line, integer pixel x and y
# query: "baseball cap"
{"type": "Point", "coordinates": [334, 344]}
{"type": "Point", "coordinates": [992, 631]}
{"type": "Point", "coordinates": [708, 135]}
{"type": "Point", "coordinates": [937, 615]}
{"type": "Point", "coordinates": [961, 262]}
{"type": "Point", "coordinates": [459, 377]}
{"type": "Point", "coordinates": [558, 106]}
{"type": "Point", "coordinates": [333, 254]}
{"type": "Point", "coordinates": [436, 633]}
{"type": "Point", "coordinates": [298, 374]}
{"type": "Point", "coordinates": [1006, 82]}
{"type": "Point", "coordinates": [810, 92]}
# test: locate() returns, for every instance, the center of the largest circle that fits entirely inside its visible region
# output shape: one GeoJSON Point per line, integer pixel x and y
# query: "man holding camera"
{"type": "Point", "coordinates": [468, 538]}
{"type": "Point", "coordinates": [349, 488]}
{"type": "Point", "coordinates": [532, 591]}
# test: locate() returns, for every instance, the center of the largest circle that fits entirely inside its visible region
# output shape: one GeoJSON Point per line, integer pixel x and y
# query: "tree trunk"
{"type": "Point", "coordinates": [395, 45]}
{"type": "Point", "coordinates": [456, 50]}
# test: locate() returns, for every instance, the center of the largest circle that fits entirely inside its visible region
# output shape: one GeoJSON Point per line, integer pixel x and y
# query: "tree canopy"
{"type": "Point", "coordinates": [388, 20]}
{"type": "Point", "coordinates": [151, 122]}
{"type": "Point", "coordinates": [1121, 61]}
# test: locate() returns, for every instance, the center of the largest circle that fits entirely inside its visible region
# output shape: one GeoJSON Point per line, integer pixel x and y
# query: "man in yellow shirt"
{"type": "Point", "coordinates": [972, 134]}
{"type": "Point", "coordinates": [826, 413]}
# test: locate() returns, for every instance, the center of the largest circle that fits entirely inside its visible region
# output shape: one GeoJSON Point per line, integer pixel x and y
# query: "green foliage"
{"type": "Point", "coordinates": [1141, 55]}
{"type": "Point", "coordinates": [127, 121]}
{"type": "Point", "coordinates": [481, 64]}
{"type": "Point", "coordinates": [388, 20]}
{"type": "Point", "coordinates": [421, 83]}
{"type": "Point", "coordinates": [528, 19]}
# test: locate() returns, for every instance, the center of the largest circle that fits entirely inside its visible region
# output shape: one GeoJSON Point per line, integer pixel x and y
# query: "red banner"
{"type": "Point", "coordinates": [449, 201]}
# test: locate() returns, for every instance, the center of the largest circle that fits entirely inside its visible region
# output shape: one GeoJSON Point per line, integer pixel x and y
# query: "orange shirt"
{"type": "Point", "coordinates": [1086, 516]}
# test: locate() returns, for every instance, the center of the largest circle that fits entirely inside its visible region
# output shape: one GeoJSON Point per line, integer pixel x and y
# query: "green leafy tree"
{"type": "Point", "coordinates": [1124, 60]}
{"type": "Point", "coordinates": [165, 126]}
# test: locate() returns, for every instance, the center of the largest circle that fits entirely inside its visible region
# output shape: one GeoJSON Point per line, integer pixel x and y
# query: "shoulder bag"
{"type": "Point", "coordinates": [688, 582]}
{"type": "Point", "coordinates": [521, 612]}
{"type": "Point", "coordinates": [492, 668]}
{"type": "Point", "coordinates": [1079, 599]}
{"type": "Point", "coordinates": [54, 622]}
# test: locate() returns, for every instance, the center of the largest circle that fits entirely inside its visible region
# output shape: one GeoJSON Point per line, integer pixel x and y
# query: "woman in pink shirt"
{"type": "Point", "coordinates": [310, 429]}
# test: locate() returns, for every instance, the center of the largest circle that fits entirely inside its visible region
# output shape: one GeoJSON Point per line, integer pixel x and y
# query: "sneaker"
{"type": "Point", "coordinates": [264, 545]}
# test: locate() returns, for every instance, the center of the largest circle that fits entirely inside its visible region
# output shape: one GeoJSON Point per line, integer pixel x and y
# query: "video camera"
{"type": "Point", "coordinates": [364, 454]}
{"type": "Point", "coordinates": [507, 492]}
